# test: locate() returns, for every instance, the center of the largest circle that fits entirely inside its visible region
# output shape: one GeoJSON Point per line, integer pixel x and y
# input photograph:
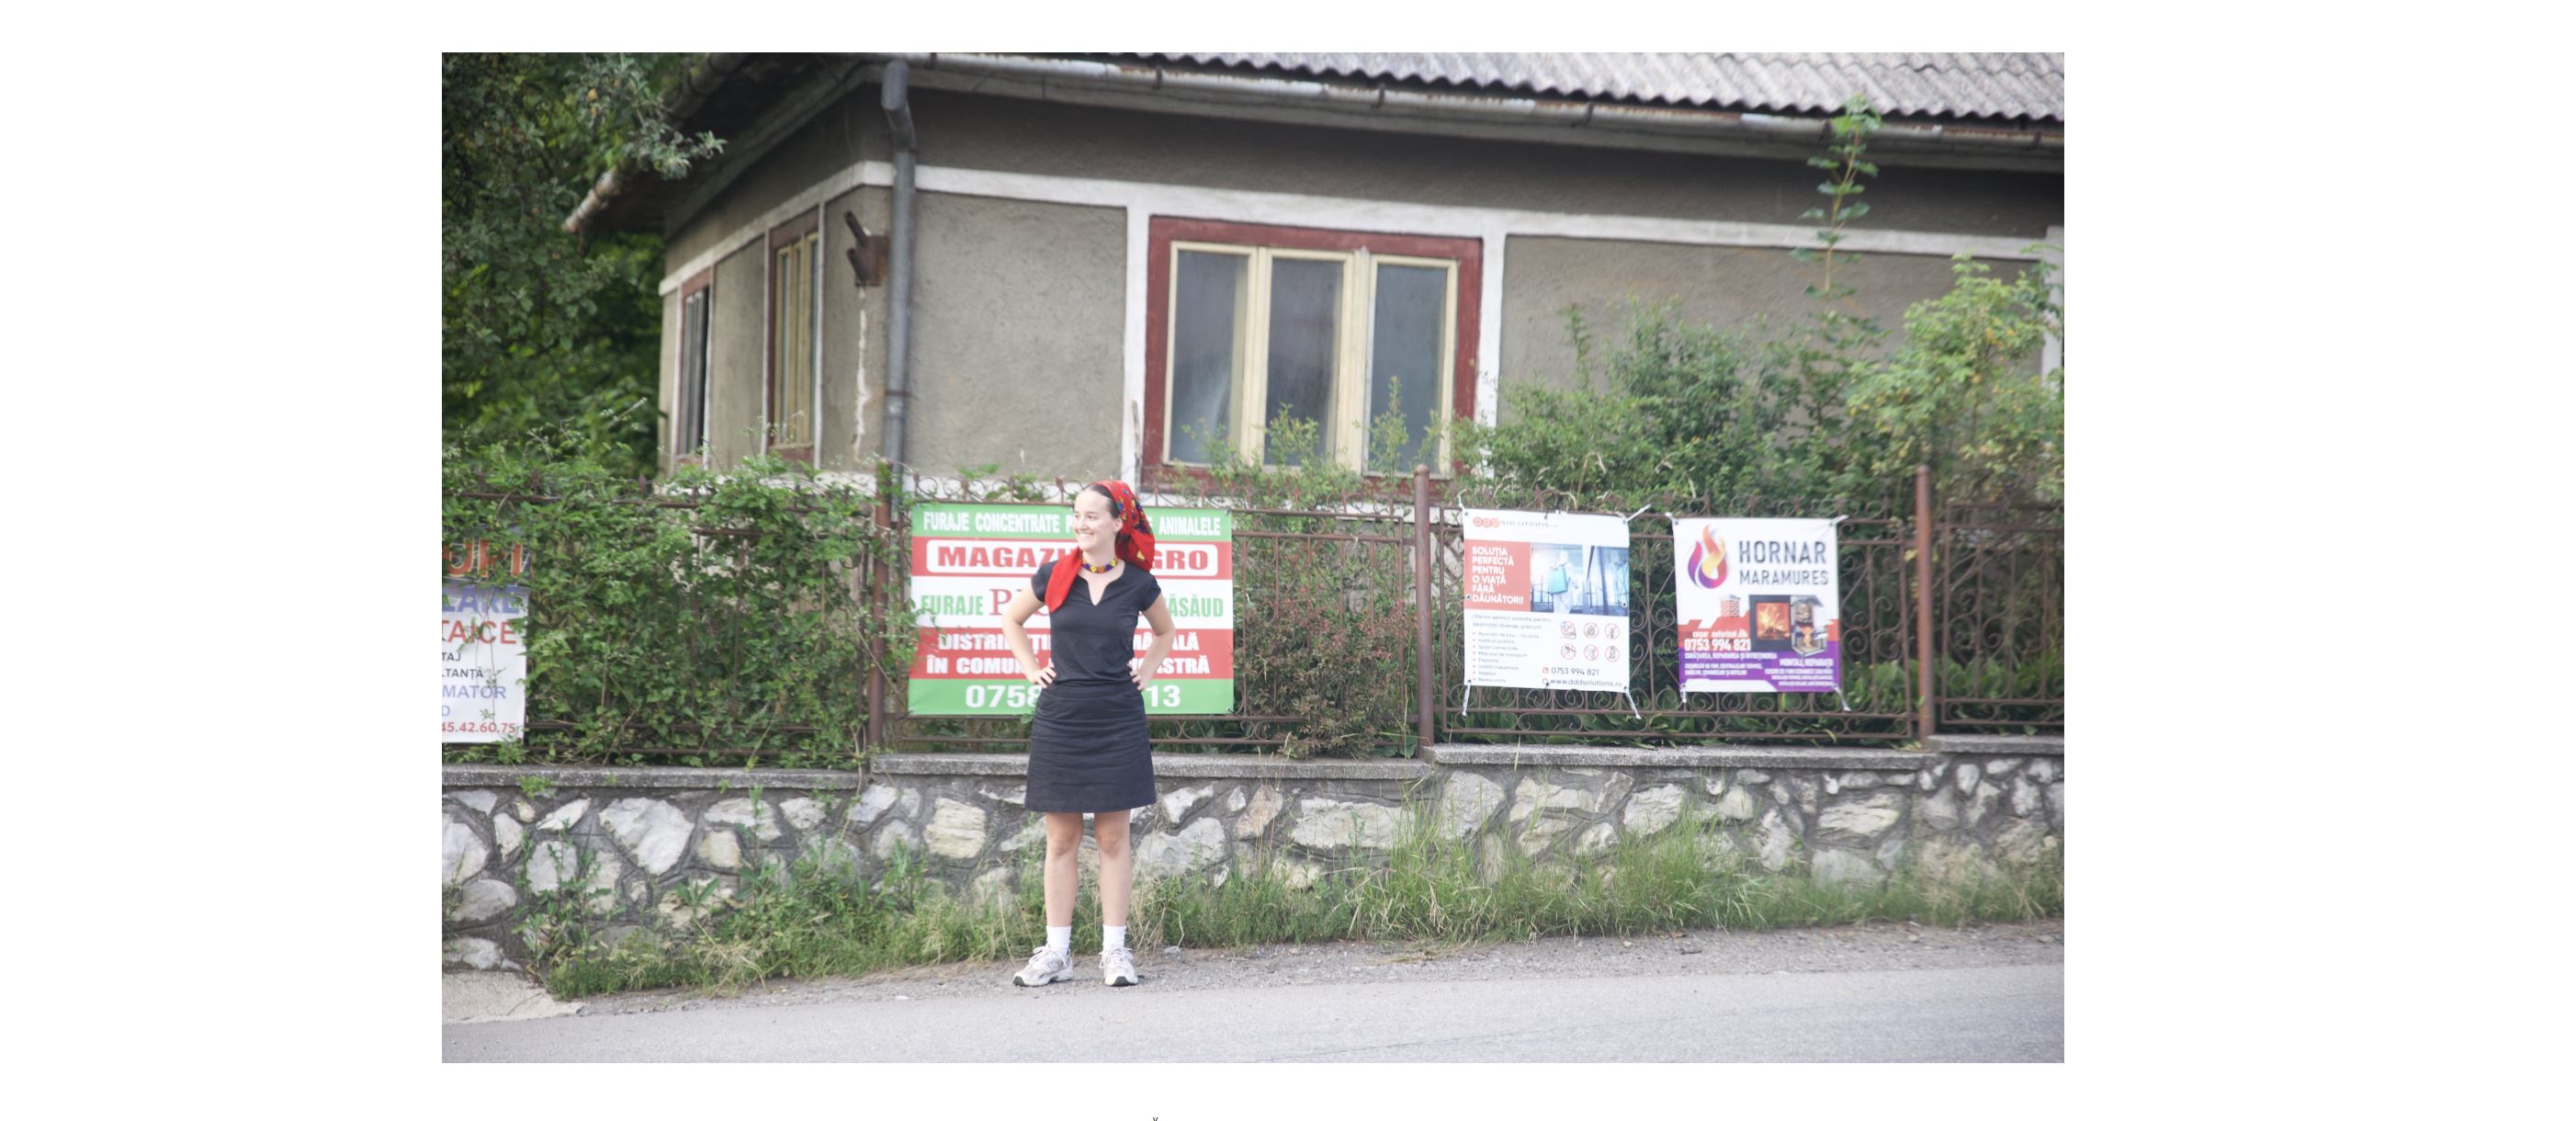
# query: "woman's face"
{"type": "Point", "coordinates": [1092, 524]}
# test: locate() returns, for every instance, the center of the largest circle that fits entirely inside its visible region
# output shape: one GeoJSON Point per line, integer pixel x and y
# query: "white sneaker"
{"type": "Point", "coordinates": [1048, 964]}
{"type": "Point", "coordinates": [1117, 966]}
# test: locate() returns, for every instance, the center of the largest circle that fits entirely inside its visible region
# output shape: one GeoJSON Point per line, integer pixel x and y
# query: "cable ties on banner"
{"type": "Point", "coordinates": [1841, 699]}
{"type": "Point", "coordinates": [1632, 705]}
{"type": "Point", "coordinates": [1837, 519]}
{"type": "Point", "coordinates": [1641, 510]}
{"type": "Point", "coordinates": [1463, 691]}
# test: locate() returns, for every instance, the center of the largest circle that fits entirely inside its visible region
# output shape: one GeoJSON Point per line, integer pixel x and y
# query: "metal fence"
{"type": "Point", "coordinates": [1363, 551]}
{"type": "Point", "coordinates": [1998, 598]}
{"type": "Point", "coordinates": [1380, 601]}
{"type": "Point", "coordinates": [1877, 703]}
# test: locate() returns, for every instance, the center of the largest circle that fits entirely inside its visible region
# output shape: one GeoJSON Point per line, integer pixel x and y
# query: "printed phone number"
{"type": "Point", "coordinates": [1023, 696]}
{"type": "Point", "coordinates": [472, 726]}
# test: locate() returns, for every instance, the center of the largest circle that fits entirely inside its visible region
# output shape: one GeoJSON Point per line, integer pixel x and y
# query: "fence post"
{"type": "Point", "coordinates": [1926, 721]}
{"type": "Point", "coordinates": [1422, 598]}
{"type": "Point", "coordinates": [882, 517]}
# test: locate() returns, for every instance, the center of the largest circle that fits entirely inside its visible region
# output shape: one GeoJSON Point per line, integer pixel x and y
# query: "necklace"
{"type": "Point", "coordinates": [1113, 563]}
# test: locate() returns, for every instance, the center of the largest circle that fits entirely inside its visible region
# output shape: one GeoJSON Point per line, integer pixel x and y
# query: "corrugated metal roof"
{"type": "Point", "coordinates": [2005, 86]}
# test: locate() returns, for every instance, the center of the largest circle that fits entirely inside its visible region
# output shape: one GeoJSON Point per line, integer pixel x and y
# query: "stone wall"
{"type": "Point", "coordinates": [646, 836]}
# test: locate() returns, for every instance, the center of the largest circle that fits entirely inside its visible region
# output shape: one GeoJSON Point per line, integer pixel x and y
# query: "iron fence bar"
{"type": "Point", "coordinates": [878, 687]}
{"type": "Point", "coordinates": [1578, 733]}
{"type": "Point", "coordinates": [1928, 716]}
{"type": "Point", "coordinates": [1422, 604]}
{"type": "Point", "coordinates": [1837, 542]}
{"type": "Point", "coordinates": [550, 499]}
{"type": "Point", "coordinates": [1150, 718]}
{"type": "Point", "coordinates": [1365, 538]}
{"type": "Point", "coordinates": [1702, 713]}
{"type": "Point", "coordinates": [614, 752]}
{"type": "Point", "coordinates": [567, 725]}
{"type": "Point", "coordinates": [1009, 740]}
{"type": "Point", "coordinates": [1176, 502]}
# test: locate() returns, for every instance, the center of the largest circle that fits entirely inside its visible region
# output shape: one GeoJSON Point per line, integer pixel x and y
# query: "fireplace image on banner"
{"type": "Point", "coordinates": [1805, 637]}
{"type": "Point", "coordinates": [1579, 579]}
{"type": "Point", "coordinates": [1770, 622]}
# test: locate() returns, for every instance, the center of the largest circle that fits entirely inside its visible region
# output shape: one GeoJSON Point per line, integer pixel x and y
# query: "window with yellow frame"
{"type": "Point", "coordinates": [795, 315]}
{"type": "Point", "coordinates": [1359, 345]}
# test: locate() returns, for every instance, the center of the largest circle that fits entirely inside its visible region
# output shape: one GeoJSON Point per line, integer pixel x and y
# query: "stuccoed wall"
{"type": "Point", "coordinates": [1727, 285]}
{"type": "Point", "coordinates": [1018, 337]}
{"type": "Point", "coordinates": [853, 367]}
{"type": "Point", "coordinates": [638, 835]}
{"type": "Point", "coordinates": [846, 132]}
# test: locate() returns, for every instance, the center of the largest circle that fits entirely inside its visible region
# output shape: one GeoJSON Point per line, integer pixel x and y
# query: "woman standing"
{"type": "Point", "coordinates": [1087, 749]}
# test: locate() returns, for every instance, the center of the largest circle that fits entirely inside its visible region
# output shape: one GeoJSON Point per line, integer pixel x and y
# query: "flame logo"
{"type": "Point", "coordinates": [1708, 559]}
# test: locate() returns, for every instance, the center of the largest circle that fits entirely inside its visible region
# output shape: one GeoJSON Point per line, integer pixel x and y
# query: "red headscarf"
{"type": "Point", "coordinates": [1135, 542]}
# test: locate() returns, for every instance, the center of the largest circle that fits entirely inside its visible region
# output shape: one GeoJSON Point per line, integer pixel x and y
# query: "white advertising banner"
{"type": "Point", "coordinates": [1546, 600]}
{"type": "Point", "coordinates": [483, 665]}
{"type": "Point", "coordinates": [1757, 601]}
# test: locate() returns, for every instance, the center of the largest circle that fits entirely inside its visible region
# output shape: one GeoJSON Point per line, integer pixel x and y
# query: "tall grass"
{"type": "Point", "coordinates": [1444, 891]}
{"type": "Point", "coordinates": [815, 920]}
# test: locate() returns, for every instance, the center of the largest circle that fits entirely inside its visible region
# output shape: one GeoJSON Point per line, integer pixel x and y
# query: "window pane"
{"type": "Point", "coordinates": [794, 346]}
{"type": "Point", "coordinates": [691, 431]}
{"type": "Point", "coordinates": [1207, 350]}
{"type": "Point", "coordinates": [1404, 360]}
{"type": "Point", "coordinates": [1305, 333]}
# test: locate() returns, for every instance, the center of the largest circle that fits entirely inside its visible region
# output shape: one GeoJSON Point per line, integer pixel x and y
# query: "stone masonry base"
{"type": "Point", "coordinates": [644, 833]}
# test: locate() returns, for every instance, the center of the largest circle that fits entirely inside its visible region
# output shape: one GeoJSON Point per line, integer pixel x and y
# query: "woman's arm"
{"type": "Point", "coordinates": [1144, 669]}
{"type": "Point", "coordinates": [1014, 615]}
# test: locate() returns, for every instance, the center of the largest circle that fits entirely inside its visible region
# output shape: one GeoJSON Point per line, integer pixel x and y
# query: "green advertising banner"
{"type": "Point", "coordinates": [969, 559]}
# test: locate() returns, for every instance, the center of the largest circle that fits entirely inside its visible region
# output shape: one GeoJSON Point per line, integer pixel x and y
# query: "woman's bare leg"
{"type": "Point", "coordinates": [1063, 840]}
{"type": "Point", "coordinates": [1117, 866]}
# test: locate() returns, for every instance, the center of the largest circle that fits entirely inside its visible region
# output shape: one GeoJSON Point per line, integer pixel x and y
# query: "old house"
{"type": "Point", "coordinates": [1096, 265]}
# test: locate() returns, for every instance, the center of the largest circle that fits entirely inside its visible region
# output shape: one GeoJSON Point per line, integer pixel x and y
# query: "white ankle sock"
{"type": "Point", "coordinates": [1113, 937]}
{"type": "Point", "coordinates": [1060, 939]}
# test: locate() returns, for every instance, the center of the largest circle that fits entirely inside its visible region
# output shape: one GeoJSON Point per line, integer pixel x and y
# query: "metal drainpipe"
{"type": "Point", "coordinates": [898, 387]}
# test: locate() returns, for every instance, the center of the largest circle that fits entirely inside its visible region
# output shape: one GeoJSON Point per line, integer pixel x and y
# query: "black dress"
{"type": "Point", "coordinates": [1087, 747]}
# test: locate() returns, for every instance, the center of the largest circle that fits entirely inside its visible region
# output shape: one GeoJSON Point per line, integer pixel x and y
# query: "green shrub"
{"type": "Point", "coordinates": [713, 615]}
{"type": "Point", "coordinates": [1323, 627]}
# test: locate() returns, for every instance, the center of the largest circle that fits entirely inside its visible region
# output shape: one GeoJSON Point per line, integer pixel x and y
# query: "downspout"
{"type": "Point", "coordinates": [898, 386]}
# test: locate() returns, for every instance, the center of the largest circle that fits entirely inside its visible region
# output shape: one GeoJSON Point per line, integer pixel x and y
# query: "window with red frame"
{"type": "Point", "coordinates": [1365, 340]}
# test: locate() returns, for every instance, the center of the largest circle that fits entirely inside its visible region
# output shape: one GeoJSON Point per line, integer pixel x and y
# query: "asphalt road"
{"type": "Point", "coordinates": [1867, 996]}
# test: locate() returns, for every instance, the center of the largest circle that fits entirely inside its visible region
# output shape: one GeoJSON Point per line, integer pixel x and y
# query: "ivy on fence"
{"type": "Point", "coordinates": [712, 618]}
